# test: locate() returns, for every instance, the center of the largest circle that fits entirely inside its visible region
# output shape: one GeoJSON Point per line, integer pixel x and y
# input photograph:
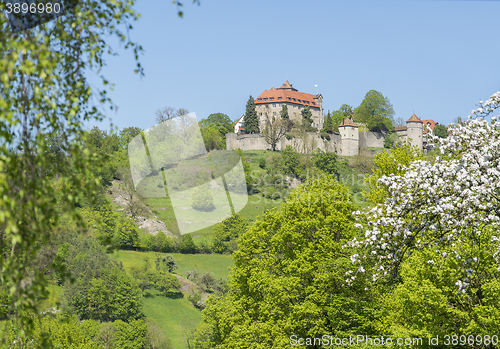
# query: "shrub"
{"type": "Point", "coordinates": [202, 199]}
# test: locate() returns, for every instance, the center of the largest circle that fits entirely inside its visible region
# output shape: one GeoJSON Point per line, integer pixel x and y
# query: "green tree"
{"type": "Point", "coordinates": [219, 119]}
{"type": "Point", "coordinates": [251, 119]}
{"type": "Point", "coordinates": [44, 86]}
{"type": "Point", "coordinates": [163, 243]}
{"type": "Point", "coordinates": [389, 162]}
{"type": "Point", "coordinates": [142, 275]}
{"type": "Point", "coordinates": [307, 119]}
{"type": "Point", "coordinates": [290, 159]}
{"type": "Point", "coordinates": [391, 140]}
{"type": "Point", "coordinates": [105, 295]}
{"type": "Point", "coordinates": [227, 232]}
{"type": "Point", "coordinates": [164, 282]}
{"type": "Point", "coordinates": [326, 162]}
{"type": "Point", "coordinates": [186, 244]}
{"type": "Point", "coordinates": [202, 199]}
{"type": "Point", "coordinates": [375, 111]}
{"type": "Point", "coordinates": [440, 131]}
{"type": "Point", "coordinates": [214, 129]}
{"type": "Point", "coordinates": [131, 335]}
{"type": "Point", "coordinates": [289, 275]}
{"type": "Point", "coordinates": [165, 263]}
{"type": "Point", "coordinates": [53, 331]}
{"type": "Point", "coordinates": [127, 235]}
{"type": "Point", "coordinates": [328, 124]}
{"type": "Point", "coordinates": [284, 112]}
{"type": "Point", "coordinates": [213, 137]}
{"type": "Point", "coordinates": [426, 302]}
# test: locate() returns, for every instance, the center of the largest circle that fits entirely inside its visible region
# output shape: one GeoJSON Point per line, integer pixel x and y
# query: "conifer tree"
{"type": "Point", "coordinates": [251, 119]}
{"type": "Point", "coordinates": [328, 125]}
{"type": "Point", "coordinates": [284, 112]}
{"type": "Point", "coordinates": [307, 119]}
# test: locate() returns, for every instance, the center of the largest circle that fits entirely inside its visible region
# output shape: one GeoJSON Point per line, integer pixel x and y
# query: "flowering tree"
{"type": "Point", "coordinates": [451, 202]}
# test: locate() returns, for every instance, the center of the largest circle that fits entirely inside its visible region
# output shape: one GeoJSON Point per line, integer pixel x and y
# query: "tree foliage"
{"type": "Point", "coordinates": [390, 162]}
{"type": "Point", "coordinates": [44, 90]}
{"type": "Point", "coordinates": [251, 119]}
{"type": "Point", "coordinates": [289, 276]}
{"type": "Point", "coordinates": [440, 131]}
{"type": "Point", "coordinates": [227, 232]}
{"type": "Point", "coordinates": [375, 111]}
{"type": "Point", "coordinates": [214, 129]}
{"type": "Point", "coordinates": [307, 119]}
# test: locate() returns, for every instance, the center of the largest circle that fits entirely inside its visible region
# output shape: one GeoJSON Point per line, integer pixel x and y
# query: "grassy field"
{"type": "Point", "coordinates": [218, 265]}
{"type": "Point", "coordinates": [176, 316]}
{"type": "Point", "coordinates": [255, 207]}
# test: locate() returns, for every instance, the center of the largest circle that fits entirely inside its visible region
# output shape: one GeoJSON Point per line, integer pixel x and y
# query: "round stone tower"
{"type": "Point", "coordinates": [349, 135]}
{"type": "Point", "coordinates": [415, 130]}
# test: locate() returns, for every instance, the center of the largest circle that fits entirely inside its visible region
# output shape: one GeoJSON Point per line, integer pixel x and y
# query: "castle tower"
{"type": "Point", "coordinates": [349, 136]}
{"type": "Point", "coordinates": [414, 128]}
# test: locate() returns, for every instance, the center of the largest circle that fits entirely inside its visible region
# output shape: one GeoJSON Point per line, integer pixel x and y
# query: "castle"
{"type": "Point", "coordinates": [348, 142]}
{"type": "Point", "coordinates": [270, 102]}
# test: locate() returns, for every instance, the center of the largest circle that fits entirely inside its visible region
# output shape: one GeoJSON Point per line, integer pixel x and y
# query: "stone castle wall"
{"type": "Point", "coordinates": [311, 141]}
{"type": "Point", "coordinates": [371, 139]}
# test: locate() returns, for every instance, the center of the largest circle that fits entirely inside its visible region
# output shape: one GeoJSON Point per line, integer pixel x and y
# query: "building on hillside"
{"type": "Point", "coordinates": [413, 131]}
{"type": "Point", "coordinates": [270, 102]}
{"type": "Point", "coordinates": [239, 125]}
{"type": "Point", "coordinates": [431, 123]}
{"type": "Point", "coordinates": [349, 134]}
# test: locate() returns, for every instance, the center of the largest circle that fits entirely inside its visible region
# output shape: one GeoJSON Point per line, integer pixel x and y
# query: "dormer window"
{"type": "Point", "coordinates": [289, 99]}
{"type": "Point", "coordinates": [265, 99]}
{"type": "Point", "coordinates": [313, 103]}
{"type": "Point", "coordinates": [259, 99]}
{"type": "Point", "coordinates": [271, 98]}
{"type": "Point", "coordinates": [279, 98]}
{"type": "Point", "coordinates": [294, 99]}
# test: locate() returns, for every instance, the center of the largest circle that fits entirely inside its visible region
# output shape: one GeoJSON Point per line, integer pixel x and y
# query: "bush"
{"type": "Point", "coordinates": [227, 232]}
{"type": "Point", "coordinates": [202, 199]}
{"type": "Point", "coordinates": [326, 162]}
{"type": "Point", "coordinates": [186, 244]}
{"type": "Point", "coordinates": [391, 140]}
{"type": "Point", "coordinates": [127, 235]}
{"type": "Point", "coordinates": [163, 243]}
{"type": "Point", "coordinates": [262, 162]}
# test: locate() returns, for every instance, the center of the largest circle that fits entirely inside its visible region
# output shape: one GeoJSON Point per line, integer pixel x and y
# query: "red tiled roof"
{"type": "Point", "coordinates": [288, 86]}
{"type": "Point", "coordinates": [431, 124]}
{"type": "Point", "coordinates": [414, 118]}
{"type": "Point", "coordinates": [286, 93]}
{"type": "Point", "coordinates": [348, 122]}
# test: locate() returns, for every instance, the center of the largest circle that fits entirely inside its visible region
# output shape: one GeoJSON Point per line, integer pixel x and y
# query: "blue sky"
{"type": "Point", "coordinates": [434, 58]}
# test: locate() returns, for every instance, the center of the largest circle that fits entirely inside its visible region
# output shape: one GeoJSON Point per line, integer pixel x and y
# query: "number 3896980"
{"type": "Point", "coordinates": [24, 8]}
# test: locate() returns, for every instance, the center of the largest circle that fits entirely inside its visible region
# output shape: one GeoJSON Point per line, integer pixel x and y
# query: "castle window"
{"type": "Point", "coordinates": [260, 114]}
{"type": "Point", "coordinates": [274, 113]}
{"type": "Point", "coordinates": [274, 105]}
